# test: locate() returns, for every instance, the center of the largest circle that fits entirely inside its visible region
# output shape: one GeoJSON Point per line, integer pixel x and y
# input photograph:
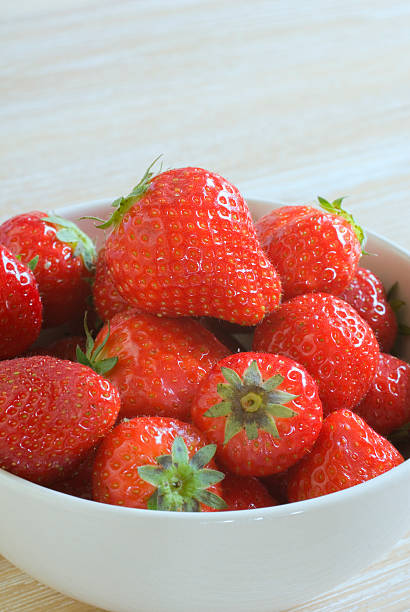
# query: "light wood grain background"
{"type": "Point", "coordinates": [287, 100]}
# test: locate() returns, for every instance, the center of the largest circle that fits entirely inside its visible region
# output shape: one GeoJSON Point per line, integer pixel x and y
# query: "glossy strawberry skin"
{"type": "Point", "coordinates": [347, 452]}
{"type": "Point", "coordinates": [328, 337]}
{"type": "Point", "coordinates": [386, 406]}
{"type": "Point", "coordinates": [367, 296]}
{"type": "Point", "coordinates": [266, 454]}
{"type": "Point", "coordinates": [188, 247]}
{"type": "Point", "coordinates": [52, 412]}
{"type": "Point", "coordinates": [160, 362]}
{"type": "Point", "coordinates": [20, 306]}
{"type": "Point", "coordinates": [107, 301]}
{"type": "Point", "coordinates": [133, 444]}
{"type": "Point", "coordinates": [62, 277]}
{"type": "Point", "coordinates": [312, 250]}
{"type": "Point", "coordinates": [245, 493]}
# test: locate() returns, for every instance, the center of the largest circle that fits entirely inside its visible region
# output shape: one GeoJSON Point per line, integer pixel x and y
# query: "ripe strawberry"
{"type": "Point", "coordinates": [20, 306]}
{"type": "Point", "coordinates": [52, 412]}
{"type": "Point", "coordinates": [159, 464]}
{"type": "Point", "coordinates": [312, 250]}
{"type": "Point", "coordinates": [347, 452]}
{"type": "Point", "coordinates": [386, 406]}
{"type": "Point", "coordinates": [79, 484]}
{"type": "Point", "coordinates": [107, 300]}
{"type": "Point", "coordinates": [65, 261]}
{"type": "Point", "coordinates": [159, 364]}
{"type": "Point", "coordinates": [367, 296]}
{"type": "Point", "coordinates": [245, 493]}
{"type": "Point", "coordinates": [240, 406]}
{"type": "Point", "coordinates": [183, 243]}
{"type": "Point", "coordinates": [328, 337]}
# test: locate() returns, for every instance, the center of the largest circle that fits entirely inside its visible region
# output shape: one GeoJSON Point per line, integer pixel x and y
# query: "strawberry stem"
{"type": "Point", "coordinates": [181, 483]}
{"type": "Point", "coordinates": [251, 403]}
{"type": "Point", "coordinates": [123, 204]}
{"type": "Point", "coordinates": [92, 358]}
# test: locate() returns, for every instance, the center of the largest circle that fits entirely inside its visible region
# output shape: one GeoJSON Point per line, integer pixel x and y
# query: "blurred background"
{"type": "Point", "coordinates": [287, 100]}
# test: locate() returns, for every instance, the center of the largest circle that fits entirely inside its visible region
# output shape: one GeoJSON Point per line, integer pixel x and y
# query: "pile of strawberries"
{"type": "Point", "coordinates": [157, 404]}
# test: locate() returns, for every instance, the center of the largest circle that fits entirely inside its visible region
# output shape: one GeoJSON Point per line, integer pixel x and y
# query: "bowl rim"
{"type": "Point", "coordinates": [288, 509]}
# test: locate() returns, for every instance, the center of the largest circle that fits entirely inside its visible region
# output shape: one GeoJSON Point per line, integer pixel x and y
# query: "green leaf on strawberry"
{"type": "Point", "coordinates": [181, 483]}
{"type": "Point", "coordinates": [70, 233]}
{"type": "Point", "coordinates": [92, 358]}
{"type": "Point", "coordinates": [250, 403]}
{"type": "Point", "coordinates": [123, 204]}
{"type": "Point", "coordinates": [335, 208]}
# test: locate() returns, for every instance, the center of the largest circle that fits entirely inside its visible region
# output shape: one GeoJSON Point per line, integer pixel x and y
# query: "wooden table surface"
{"type": "Point", "coordinates": [287, 100]}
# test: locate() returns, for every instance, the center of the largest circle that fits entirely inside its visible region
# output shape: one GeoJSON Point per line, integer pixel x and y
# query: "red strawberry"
{"type": "Point", "coordinates": [328, 337]}
{"type": "Point", "coordinates": [65, 261]}
{"type": "Point", "coordinates": [386, 406]}
{"type": "Point", "coordinates": [52, 412]}
{"type": "Point", "coordinates": [245, 493]}
{"type": "Point", "coordinates": [20, 306]}
{"type": "Point", "coordinates": [159, 464]}
{"type": "Point", "coordinates": [160, 361]}
{"type": "Point", "coordinates": [183, 243]}
{"type": "Point", "coordinates": [347, 452]}
{"type": "Point", "coordinates": [367, 295]}
{"type": "Point", "coordinates": [79, 484]}
{"type": "Point", "coordinates": [312, 250]}
{"type": "Point", "coordinates": [263, 412]}
{"type": "Point", "coordinates": [107, 300]}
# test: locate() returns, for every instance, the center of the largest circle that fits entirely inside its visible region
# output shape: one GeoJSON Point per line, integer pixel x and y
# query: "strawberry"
{"type": "Point", "coordinates": [386, 406]}
{"type": "Point", "coordinates": [312, 250]}
{"type": "Point", "coordinates": [52, 412]}
{"type": "Point", "coordinates": [347, 452]}
{"type": "Point", "coordinates": [159, 361]}
{"type": "Point", "coordinates": [65, 261]}
{"type": "Point", "coordinates": [263, 412]}
{"type": "Point", "coordinates": [367, 296]}
{"type": "Point", "coordinates": [183, 243]}
{"type": "Point", "coordinates": [157, 463]}
{"type": "Point", "coordinates": [107, 301]}
{"type": "Point", "coordinates": [245, 493]}
{"type": "Point", "coordinates": [79, 484]}
{"type": "Point", "coordinates": [20, 306]}
{"type": "Point", "coordinates": [328, 337]}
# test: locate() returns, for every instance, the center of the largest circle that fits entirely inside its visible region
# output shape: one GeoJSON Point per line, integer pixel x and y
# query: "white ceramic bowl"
{"type": "Point", "coordinates": [129, 560]}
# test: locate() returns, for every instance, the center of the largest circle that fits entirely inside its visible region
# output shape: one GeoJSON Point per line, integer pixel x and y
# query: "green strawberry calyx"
{"type": "Point", "coordinates": [251, 403]}
{"type": "Point", "coordinates": [123, 204]}
{"type": "Point", "coordinates": [181, 482]}
{"type": "Point", "coordinates": [335, 208]}
{"type": "Point", "coordinates": [92, 358]}
{"type": "Point", "coordinates": [69, 233]}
